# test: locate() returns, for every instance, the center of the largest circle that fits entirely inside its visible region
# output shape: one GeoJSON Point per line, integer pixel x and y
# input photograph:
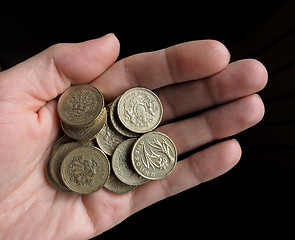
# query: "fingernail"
{"type": "Point", "coordinates": [256, 94]}
{"type": "Point", "coordinates": [109, 34]}
{"type": "Point", "coordinates": [229, 55]}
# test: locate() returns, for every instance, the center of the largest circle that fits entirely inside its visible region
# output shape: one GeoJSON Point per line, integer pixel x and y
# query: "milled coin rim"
{"type": "Point", "coordinates": [53, 183]}
{"type": "Point", "coordinates": [108, 186]}
{"type": "Point", "coordinates": [115, 162]}
{"type": "Point", "coordinates": [101, 143]}
{"type": "Point", "coordinates": [133, 152]}
{"type": "Point", "coordinates": [119, 106]}
{"type": "Point", "coordinates": [96, 126]}
{"type": "Point", "coordinates": [118, 126]}
{"type": "Point", "coordinates": [53, 160]}
{"type": "Point", "coordinates": [63, 95]}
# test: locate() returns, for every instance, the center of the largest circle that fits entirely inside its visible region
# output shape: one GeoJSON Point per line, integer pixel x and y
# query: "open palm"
{"type": "Point", "coordinates": [189, 77]}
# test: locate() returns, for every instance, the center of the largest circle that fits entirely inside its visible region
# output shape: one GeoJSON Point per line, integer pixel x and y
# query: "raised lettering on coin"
{"type": "Point", "coordinates": [154, 155]}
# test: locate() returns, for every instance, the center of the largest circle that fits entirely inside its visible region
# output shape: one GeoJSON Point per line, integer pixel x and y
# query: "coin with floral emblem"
{"type": "Point", "coordinates": [154, 155]}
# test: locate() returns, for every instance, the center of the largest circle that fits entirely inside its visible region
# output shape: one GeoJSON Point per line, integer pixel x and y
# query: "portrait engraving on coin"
{"type": "Point", "coordinates": [140, 110]}
{"type": "Point", "coordinates": [154, 155]}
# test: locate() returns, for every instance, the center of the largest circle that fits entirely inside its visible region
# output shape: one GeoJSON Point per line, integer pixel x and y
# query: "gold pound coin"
{"type": "Point", "coordinates": [154, 155]}
{"type": "Point", "coordinates": [62, 140]}
{"type": "Point", "coordinates": [56, 160]}
{"type": "Point", "coordinates": [113, 184]}
{"type": "Point", "coordinates": [53, 183]}
{"type": "Point", "coordinates": [80, 105]}
{"type": "Point", "coordinates": [86, 132]}
{"type": "Point", "coordinates": [115, 122]}
{"type": "Point", "coordinates": [85, 170]}
{"type": "Point", "coordinates": [139, 110]}
{"type": "Point", "coordinates": [122, 166]}
{"type": "Point", "coordinates": [109, 139]}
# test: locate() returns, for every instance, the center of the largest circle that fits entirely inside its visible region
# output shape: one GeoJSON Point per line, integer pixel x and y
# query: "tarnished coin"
{"type": "Point", "coordinates": [113, 184]}
{"type": "Point", "coordinates": [85, 169]}
{"type": "Point", "coordinates": [80, 105]}
{"type": "Point", "coordinates": [154, 155]}
{"type": "Point", "coordinates": [140, 110]}
{"type": "Point", "coordinates": [122, 166]}
{"type": "Point", "coordinates": [62, 140]}
{"type": "Point", "coordinates": [109, 139]}
{"type": "Point", "coordinates": [115, 122]}
{"type": "Point", "coordinates": [56, 160]}
{"type": "Point", "coordinates": [88, 132]}
{"type": "Point", "coordinates": [53, 183]}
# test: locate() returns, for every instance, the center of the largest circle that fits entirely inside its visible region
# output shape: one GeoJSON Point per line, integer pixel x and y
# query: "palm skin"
{"type": "Point", "coordinates": [188, 78]}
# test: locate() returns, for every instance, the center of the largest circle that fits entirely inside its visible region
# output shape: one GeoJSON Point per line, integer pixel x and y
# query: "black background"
{"type": "Point", "coordinates": [256, 196]}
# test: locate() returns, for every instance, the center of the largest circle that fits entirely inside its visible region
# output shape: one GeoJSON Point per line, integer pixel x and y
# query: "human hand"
{"type": "Point", "coordinates": [188, 78]}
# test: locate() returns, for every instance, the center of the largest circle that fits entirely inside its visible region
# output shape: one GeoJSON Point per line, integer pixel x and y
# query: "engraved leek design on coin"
{"type": "Point", "coordinates": [154, 155]}
{"type": "Point", "coordinates": [80, 105]}
{"type": "Point", "coordinates": [140, 110]}
{"type": "Point", "coordinates": [85, 169]}
{"type": "Point", "coordinates": [122, 166]}
{"type": "Point", "coordinates": [88, 132]}
{"type": "Point", "coordinates": [113, 184]}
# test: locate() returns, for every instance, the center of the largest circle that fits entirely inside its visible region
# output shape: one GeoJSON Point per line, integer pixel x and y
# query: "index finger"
{"type": "Point", "coordinates": [179, 63]}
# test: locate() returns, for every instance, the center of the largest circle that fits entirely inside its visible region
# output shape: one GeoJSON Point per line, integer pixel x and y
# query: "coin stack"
{"type": "Point", "coordinates": [111, 146]}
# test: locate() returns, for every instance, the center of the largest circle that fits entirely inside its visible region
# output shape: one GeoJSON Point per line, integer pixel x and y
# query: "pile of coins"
{"type": "Point", "coordinates": [111, 146]}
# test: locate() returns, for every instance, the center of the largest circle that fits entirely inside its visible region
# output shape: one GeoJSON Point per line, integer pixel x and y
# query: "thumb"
{"type": "Point", "coordinates": [46, 75]}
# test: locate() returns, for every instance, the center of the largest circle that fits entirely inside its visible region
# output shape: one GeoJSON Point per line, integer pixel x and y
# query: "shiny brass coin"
{"type": "Point", "coordinates": [109, 139]}
{"type": "Point", "coordinates": [80, 105]}
{"type": "Point", "coordinates": [62, 140]}
{"type": "Point", "coordinates": [154, 155]}
{"type": "Point", "coordinates": [85, 169]}
{"type": "Point", "coordinates": [56, 160]}
{"type": "Point", "coordinates": [113, 184]}
{"type": "Point", "coordinates": [139, 110]}
{"type": "Point", "coordinates": [88, 132]}
{"type": "Point", "coordinates": [115, 122]}
{"type": "Point", "coordinates": [122, 166]}
{"type": "Point", "coordinates": [53, 183]}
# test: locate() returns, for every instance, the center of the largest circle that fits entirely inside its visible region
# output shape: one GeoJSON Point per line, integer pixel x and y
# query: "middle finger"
{"type": "Point", "coordinates": [237, 80]}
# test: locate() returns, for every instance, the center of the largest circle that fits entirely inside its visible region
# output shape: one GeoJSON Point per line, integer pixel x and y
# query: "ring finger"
{"type": "Point", "coordinates": [237, 80]}
{"type": "Point", "coordinates": [223, 121]}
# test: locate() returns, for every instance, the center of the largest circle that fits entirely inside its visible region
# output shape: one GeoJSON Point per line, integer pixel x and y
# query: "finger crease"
{"type": "Point", "coordinates": [171, 67]}
{"type": "Point", "coordinates": [193, 166]}
{"type": "Point", "coordinates": [211, 135]}
{"type": "Point", "coordinates": [210, 92]}
{"type": "Point", "coordinates": [129, 75]}
{"type": "Point", "coordinates": [166, 187]}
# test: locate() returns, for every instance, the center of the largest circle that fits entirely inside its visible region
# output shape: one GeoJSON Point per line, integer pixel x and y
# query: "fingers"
{"type": "Point", "coordinates": [44, 76]}
{"type": "Point", "coordinates": [209, 163]}
{"type": "Point", "coordinates": [200, 167]}
{"type": "Point", "coordinates": [82, 62]}
{"type": "Point", "coordinates": [237, 80]}
{"type": "Point", "coordinates": [179, 63]}
{"type": "Point", "coordinates": [223, 121]}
